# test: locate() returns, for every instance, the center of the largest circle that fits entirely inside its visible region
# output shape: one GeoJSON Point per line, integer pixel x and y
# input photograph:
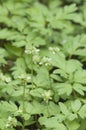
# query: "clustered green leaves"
{"type": "Point", "coordinates": [42, 65]}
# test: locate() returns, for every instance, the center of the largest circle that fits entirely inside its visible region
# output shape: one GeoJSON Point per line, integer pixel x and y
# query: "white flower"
{"type": "Point", "coordinates": [54, 49]}
{"type": "Point", "coordinates": [36, 58]}
{"type": "Point", "coordinates": [28, 77]}
{"type": "Point", "coordinates": [11, 121]}
{"type": "Point", "coordinates": [26, 51]}
{"type": "Point", "coordinates": [7, 125]}
{"type": "Point", "coordinates": [50, 48]}
{"type": "Point", "coordinates": [8, 79]}
{"type": "Point", "coordinates": [40, 63]}
{"type": "Point", "coordinates": [36, 50]}
{"type": "Point", "coordinates": [45, 61]}
{"type": "Point", "coordinates": [5, 78]}
{"type": "Point", "coordinates": [9, 118]}
{"type": "Point", "coordinates": [31, 50]}
{"type": "Point", "coordinates": [47, 95]}
{"type": "Point", "coordinates": [24, 77]}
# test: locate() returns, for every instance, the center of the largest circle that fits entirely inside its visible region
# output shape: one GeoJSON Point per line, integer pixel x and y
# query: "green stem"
{"type": "Point", "coordinates": [32, 71]}
{"type": "Point", "coordinates": [23, 105]}
{"type": "Point", "coordinates": [24, 97]}
{"type": "Point", "coordinates": [48, 109]}
{"type": "Point", "coordinates": [23, 126]}
{"type": "Point", "coordinates": [50, 81]}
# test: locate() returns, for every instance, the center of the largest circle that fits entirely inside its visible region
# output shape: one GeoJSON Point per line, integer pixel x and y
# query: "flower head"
{"type": "Point", "coordinates": [47, 95]}
{"type": "Point", "coordinates": [54, 49]}
{"type": "Point", "coordinates": [31, 50]}
{"type": "Point", "coordinates": [45, 60]}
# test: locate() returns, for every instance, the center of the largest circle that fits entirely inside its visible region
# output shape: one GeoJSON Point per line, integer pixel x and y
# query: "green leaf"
{"type": "Point", "coordinates": [72, 65]}
{"type": "Point", "coordinates": [71, 8]}
{"type": "Point", "coordinates": [2, 124]}
{"type": "Point", "coordinates": [54, 4]}
{"type": "Point", "coordinates": [34, 108]}
{"type": "Point", "coordinates": [13, 50]}
{"type": "Point", "coordinates": [9, 34]}
{"type": "Point", "coordinates": [3, 54]}
{"type": "Point", "coordinates": [37, 92]}
{"type": "Point", "coordinates": [19, 68]}
{"type": "Point", "coordinates": [79, 89]}
{"type": "Point", "coordinates": [72, 116]}
{"type": "Point", "coordinates": [17, 92]}
{"type": "Point", "coordinates": [20, 43]}
{"type": "Point", "coordinates": [51, 110]}
{"type": "Point", "coordinates": [73, 125]}
{"type": "Point", "coordinates": [63, 108]}
{"type": "Point", "coordinates": [64, 88]}
{"type": "Point", "coordinates": [58, 60]}
{"type": "Point", "coordinates": [55, 124]}
{"type": "Point", "coordinates": [26, 116]}
{"type": "Point", "coordinates": [72, 44]}
{"type": "Point", "coordinates": [82, 111]}
{"type": "Point", "coordinates": [61, 72]}
{"type": "Point", "coordinates": [76, 105]}
{"type": "Point", "coordinates": [42, 78]}
{"type": "Point", "coordinates": [38, 41]}
{"type": "Point", "coordinates": [55, 77]}
{"type": "Point", "coordinates": [8, 107]}
{"type": "Point", "coordinates": [80, 76]}
{"type": "Point", "coordinates": [80, 52]}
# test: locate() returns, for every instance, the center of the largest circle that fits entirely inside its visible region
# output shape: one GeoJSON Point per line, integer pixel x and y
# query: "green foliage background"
{"type": "Point", "coordinates": [42, 64]}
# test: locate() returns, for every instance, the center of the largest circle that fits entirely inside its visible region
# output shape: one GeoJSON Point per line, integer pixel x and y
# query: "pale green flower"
{"type": "Point", "coordinates": [47, 95]}
{"type": "Point", "coordinates": [31, 50]}
{"type": "Point", "coordinates": [54, 49]}
{"type": "Point", "coordinates": [45, 60]}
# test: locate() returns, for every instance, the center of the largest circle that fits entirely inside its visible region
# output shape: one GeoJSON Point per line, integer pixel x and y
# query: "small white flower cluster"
{"type": "Point", "coordinates": [35, 53]}
{"type": "Point", "coordinates": [11, 121]}
{"type": "Point", "coordinates": [25, 77]}
{"type": "Point", "coordinates": [4, 78]}
{"type": "Point", "coordinates": [20, 111]}
{"type": "Point", "coordinates": [36, 59]}
{"type": "Point", "coordinates": [31, 50]}
{"type": "Point", "coordinates": [54, 49]}
{"type": "Point", "coordinates": [47, 95]}
{"type": "Point", "coordinates": [46, 61]}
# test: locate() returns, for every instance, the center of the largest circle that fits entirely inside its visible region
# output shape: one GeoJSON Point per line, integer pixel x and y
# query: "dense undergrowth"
{"type": "Point", "coordinates": [42, 65]}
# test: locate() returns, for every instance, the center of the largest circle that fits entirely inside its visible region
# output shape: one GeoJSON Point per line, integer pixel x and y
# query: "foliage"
{"type": "Point", "coordinates": [42, 65]}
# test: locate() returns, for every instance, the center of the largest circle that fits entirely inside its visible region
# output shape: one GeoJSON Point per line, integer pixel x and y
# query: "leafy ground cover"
{"type": "Point", "coordinates": [42, 65]}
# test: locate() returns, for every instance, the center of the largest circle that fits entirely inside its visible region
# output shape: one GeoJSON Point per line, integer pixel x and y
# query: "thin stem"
{"type": "Point", "coordinates": [23, 126]}
{"type": "Point", "coordinates": [50, 81]}
{"type": "Point", "coordinates": [23, 105]}
{"type": "Point", "coordinates": [32, 71]}
{"type": "Point", "coordinates": [48, 109]}
{"type": "Point", "coordinates": [24, 97]}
